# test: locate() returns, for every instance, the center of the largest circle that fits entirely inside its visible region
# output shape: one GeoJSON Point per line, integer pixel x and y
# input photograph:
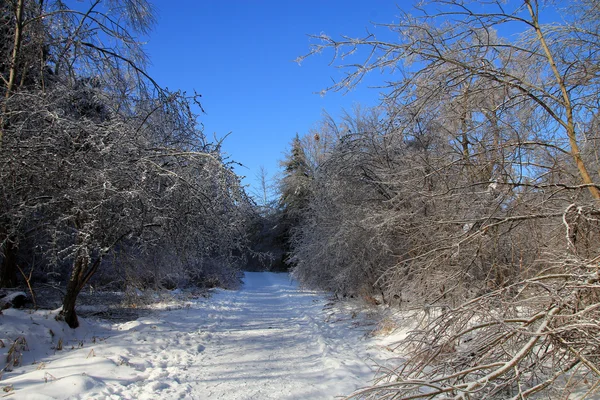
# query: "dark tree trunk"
{"type": "Point", "coordinates": [73, 288]}
{"type": "Point", "coordinates": [8, 272]}
{"type": "Point", "coordinates": [83, 270]}
{"type": "Point", "coordinates": [68, 310]}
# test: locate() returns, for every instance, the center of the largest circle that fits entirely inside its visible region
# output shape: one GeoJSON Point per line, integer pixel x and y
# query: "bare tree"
{"type": "Point", "coordinates": [458, 200]}
{"type": "Point", "coordinates": [531, 69]}
{"type": "Point", "coordinates": [264, 193]}
{"type": "Point", "coordinates": [99, 161]}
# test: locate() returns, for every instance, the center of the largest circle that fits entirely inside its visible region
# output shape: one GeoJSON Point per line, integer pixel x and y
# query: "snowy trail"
{"type": "Point", "coordinates": [268, 340]}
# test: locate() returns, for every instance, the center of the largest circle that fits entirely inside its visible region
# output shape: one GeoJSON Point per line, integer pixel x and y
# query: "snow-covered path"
{"type": "Point", "coordinates": [268, 340]}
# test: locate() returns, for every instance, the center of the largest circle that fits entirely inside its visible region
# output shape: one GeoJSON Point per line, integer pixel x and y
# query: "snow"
{"type": "Point", "coordinates": [11, 299]}
{"type": "Point", "coordinates": [268, 340]}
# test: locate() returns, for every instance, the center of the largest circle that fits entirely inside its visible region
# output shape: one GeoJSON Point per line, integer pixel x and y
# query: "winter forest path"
{"type": "Point", "coordinates": [268, 340]}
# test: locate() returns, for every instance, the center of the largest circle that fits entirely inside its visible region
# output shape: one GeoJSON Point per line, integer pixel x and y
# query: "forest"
{"type": "Point", "coordinates": [469, 195]}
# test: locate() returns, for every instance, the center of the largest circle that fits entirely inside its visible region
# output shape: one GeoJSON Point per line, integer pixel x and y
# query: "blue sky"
{"type": "Point", "coordinates": [239, 55]}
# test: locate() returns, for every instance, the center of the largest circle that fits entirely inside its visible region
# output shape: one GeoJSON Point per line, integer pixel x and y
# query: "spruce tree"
{"type": "Point", "coordinates": [294, 190]}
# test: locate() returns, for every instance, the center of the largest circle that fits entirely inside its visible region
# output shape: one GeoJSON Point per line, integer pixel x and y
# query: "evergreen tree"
{"type": "Point", "coordinates": [295, 184]}
{"type": "Point", "coordinates": [295, 191]}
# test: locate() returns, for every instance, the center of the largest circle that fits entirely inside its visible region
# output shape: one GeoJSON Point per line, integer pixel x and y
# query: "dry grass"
{"type": "Point", "coordinates": [15, 353]}
{"type": "Point", "coordinates": [385, 327]}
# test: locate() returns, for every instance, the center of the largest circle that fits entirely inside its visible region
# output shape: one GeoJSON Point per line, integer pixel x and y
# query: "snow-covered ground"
{"type": "Point", "coordinates": [269, 340]}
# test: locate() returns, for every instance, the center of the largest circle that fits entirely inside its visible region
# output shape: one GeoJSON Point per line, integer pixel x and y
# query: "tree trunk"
{"type": "Point", "coordinates": [13, 61]}
{"type": "Point", "coordinates": [83, 270]}
{"type": "Point", "coordinates": [569, 125]}
{"type": "Point", "coordinates": [8, 272]}
{"type": "Point", "coordinates": [16, 47]}
{"type": "Point", "coordinates": [68, 310]}
{"type": "Point", "coordinates": [73, 288]}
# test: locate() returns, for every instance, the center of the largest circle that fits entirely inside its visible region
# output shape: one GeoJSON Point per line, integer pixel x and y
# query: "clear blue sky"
{"type": "Point", "coordinates": [239, 55]}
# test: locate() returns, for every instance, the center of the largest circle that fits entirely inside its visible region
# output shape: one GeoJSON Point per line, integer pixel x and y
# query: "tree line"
{"type": "Point", "coordinates": [105, 176]}
{"type": "Point", "coordinates": [471, 193]}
